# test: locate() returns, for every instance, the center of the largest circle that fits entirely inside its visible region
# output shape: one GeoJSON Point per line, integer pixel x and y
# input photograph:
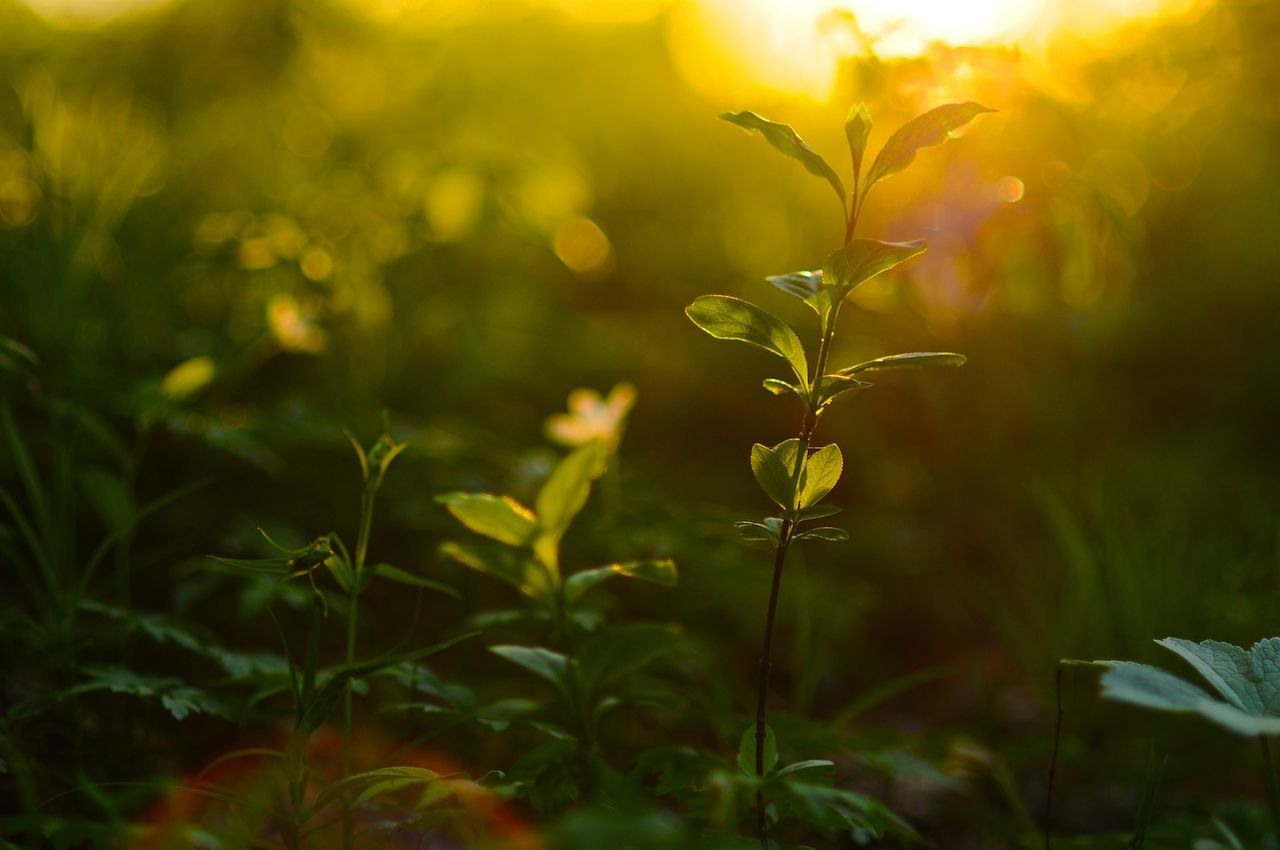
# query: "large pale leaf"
{"type": "Point", "coordinates": [932, 128]}
{"type": "Point", "coordinates": [725, 317]}
{"type": "Point", "coordinates": [863, 259]}
{"type": "Point", "coordinates": [499, 517]}
{"type": "Point", "coordinates": [914, 360]}
{"type": "Point", "coordinates": [786, 140]}
{"type": "Point", "coordinates": [1248, 680]}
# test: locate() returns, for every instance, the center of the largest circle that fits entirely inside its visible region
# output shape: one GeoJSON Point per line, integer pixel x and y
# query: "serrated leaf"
{"type": "Point", "coordinates": [821, 472]}
{"type": "Point", "coordinates": [725, 317]}
{"type": "Point", "coordinates": [932, 128]}
{"type": "Point", "coordinates": [747, 750]}
{"type": "Point", "coordinates": [774, 469]}
{"type": "Point", "coordinates": [498, 517]}
{"type": "Point", "coordinates": [913, 360]}
{"type": "Point", "coordinates": [660, 571]}
{"type": "Point", "coordinates": [863, 259]}
{"type": "Point", "coordinates": [824, 532]}
{"type": "Point", "coordinates": [1248, 680]}
{"type": "Point", "coordinates": [787, 141]}
{"type": "Point", "coordinates": [857, 129]}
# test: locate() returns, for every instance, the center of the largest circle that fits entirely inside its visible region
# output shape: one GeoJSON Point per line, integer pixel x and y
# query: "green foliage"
{"type": "Point", "coordinates": [747, 750]}
{"type": "Point", "coordinates": [1247, 683]}
{"type": "Point", "coordinates": [932, 128]}
{"type": "Point", "coordinates": [725, 317]}
{"type": "Point", "coordinates": [788, 142]}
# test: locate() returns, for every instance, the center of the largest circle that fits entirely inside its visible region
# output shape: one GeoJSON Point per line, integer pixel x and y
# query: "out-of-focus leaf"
{"type": "Point", "coordinates": [725, 317]}
{"type": "Point", "coordinates": [914, 360]}
{"type": "Point", "coordinates": [623, 650]}
{"type": "Point", "coordinates": [499, 517]}
{"type": "Point", "coordinates": [831, 535]}
{"type": "Point", "coordinates": [857, 129]}
{"type": "Point", "coordinates": [405, 577]}
{"type": "Point", "coordinates": [787, 141]}
{"type": "Point", "coordinates": [515, 568]}
{"type": "Point", "coordinates": [550, 665]}
{"type": "Point", "coordinates": [661, 571]}
{"type": "Point", "coordinates": [932, 128]}
{"type": "Point", "coordinates": [801, 766]}
{"type": "Point", "coordinates": [747, 750]}
{"type": "Point", "coordinates": [777, 386]}
{"type": "Point", "coordinates": [863, 259]}
{"type": "Point", "coordinates": [562, 496]}
{"type": "Point", "coordinates": [188, 378]}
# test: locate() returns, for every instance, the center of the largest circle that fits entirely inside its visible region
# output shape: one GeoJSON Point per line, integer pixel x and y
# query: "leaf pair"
{"type": "Point", "coordinates": [932, 128]}
{"type": "Point", "coordinates": [793, 480]}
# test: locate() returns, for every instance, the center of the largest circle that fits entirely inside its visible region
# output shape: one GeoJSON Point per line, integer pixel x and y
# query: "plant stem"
{"type": "Point", "coordinates": [353, 615]}
{"type": "Point", "coordinates": [1053, 764]}
{"type": "Point", "coordinates": [1273, 787]}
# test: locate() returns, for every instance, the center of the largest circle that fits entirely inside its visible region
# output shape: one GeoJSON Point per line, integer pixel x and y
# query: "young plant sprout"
{"type": "Point", "coordinates": [796, 474]}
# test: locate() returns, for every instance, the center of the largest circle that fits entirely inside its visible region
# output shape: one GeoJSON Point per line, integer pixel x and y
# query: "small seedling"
{"type": "Point", "coordinates": [796, 474]}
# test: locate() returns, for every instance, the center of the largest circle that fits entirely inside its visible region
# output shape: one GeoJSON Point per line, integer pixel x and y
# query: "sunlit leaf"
{"type": "Point", "coordinates": [857, 129]}
{"type": "Point", "coordinates": [863, 259]}
{"type": "Point", "coordinates": [499, 517]}
{"type": "Point", "coordinates": [725, 317]}
{"type": "Point", "coordinates": [566, 491]}
{"type": "Point", "coordinates": [513, 567]}
{"type": "Point", "coordinates": [818, 512]}
{"type": "Point", "coordinates": [661, 571]}
{"type": "Point", "coordinates": [774, 469]}
{"type": "Point", "coordinates": [827, 533]}
{"type": "Point", "coordinates": [932, 128]}
{"type": "Point", "coordinates": [777, 386]}
{"type": "Point", "coordinates": [768, 530]}
{"type": "Point", "coordinates": [786, 140]}
{"type": "Point", "coordinates": [747, 750]}
{"type": "Point", "coordinates": [821, 472]}
{"type": "Point", "coordinates": [914, 360]}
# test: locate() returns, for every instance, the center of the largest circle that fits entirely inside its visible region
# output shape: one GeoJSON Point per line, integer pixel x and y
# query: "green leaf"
{"type": "Point", "coordinates": [661, 571]}
{"type": "Point", "coordinates": [827, 533]}
{"type": "Point", "coordinates": [376, 782]}
{"type": "Point", "coordinates": [821, 472]}
{"type": "Point", "coordinates": [914, 360]}
{"type": "Point", "coordinates": [725, 317]}
{"type": "Point", "coordinates": [863, 259]}
{"type": "Point", "coordinates": [803, 285]}
{"type": "Point", "coordinates": [623, 650]}
{"type": "Point", "coordinates": [405, 577]}
{"type": "Point", "coordinates": [932, 128]}
{"type": "Point", "coordinates": [800, 766]}
{"type": "Point", "coordinates": [777, 386]}
{"type": "Point", "coordinates": [1248, 680]}
{"type": "Point", "coordinates": [562, 496]}
{"type": "Point", "coordinates": [747, 750]}
{"type": "Point", "coordinates": [768, 531]}
{"type": "Point", "coordinates": [857, 129]}
{"type": "Point", "coordinates": [774, 469]}
{"type": "Point", "coordinates": [817, 512]}
{"type": "Point", "coordinates": [499, 517]}
{"type": "Point", "coordinates": [551, 666]}
{"type": "Point", "coordinates": [515, 568]}
{"type": "Point", "coordinates": [788, 142]}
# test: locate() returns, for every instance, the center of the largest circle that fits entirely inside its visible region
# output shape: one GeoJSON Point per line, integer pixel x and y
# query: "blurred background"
{"type": "Point", "coordinates": [230, 228]}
